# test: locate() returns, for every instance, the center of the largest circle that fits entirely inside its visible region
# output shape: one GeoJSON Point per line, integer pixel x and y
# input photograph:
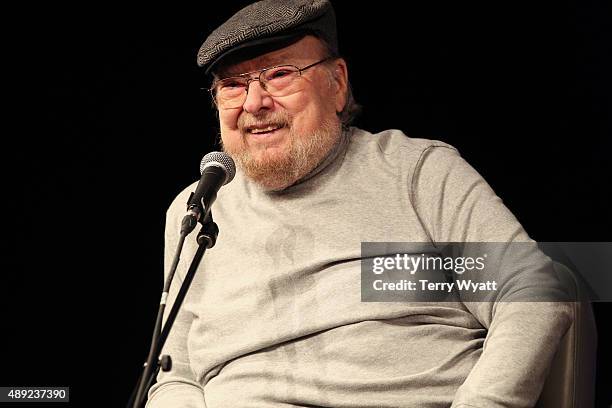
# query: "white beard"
{"type": "Point", "coordinates": [280, 170]}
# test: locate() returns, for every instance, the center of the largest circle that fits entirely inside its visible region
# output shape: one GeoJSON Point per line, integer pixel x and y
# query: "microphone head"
{"type": "Point", "coordinates": [219, 159]}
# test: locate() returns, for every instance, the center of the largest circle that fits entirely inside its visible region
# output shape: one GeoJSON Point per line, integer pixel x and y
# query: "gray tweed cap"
{"type": "Point", "coordinates": [268, 23]}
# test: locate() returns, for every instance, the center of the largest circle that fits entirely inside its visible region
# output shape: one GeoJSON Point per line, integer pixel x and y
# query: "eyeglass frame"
{"type": "Point", "coordinates": [259, 76]}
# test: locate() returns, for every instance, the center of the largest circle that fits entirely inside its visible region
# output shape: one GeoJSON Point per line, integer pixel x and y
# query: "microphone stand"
{"type": "Point", "coordinates": [206, 238]}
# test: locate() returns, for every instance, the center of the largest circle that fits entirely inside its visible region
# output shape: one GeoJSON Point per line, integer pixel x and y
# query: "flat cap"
{"type": "Point", "coordinates": [269, 22]}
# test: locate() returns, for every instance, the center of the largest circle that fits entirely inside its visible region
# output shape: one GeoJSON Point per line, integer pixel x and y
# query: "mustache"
{"type": "Point", "coordinates": [247, 120]}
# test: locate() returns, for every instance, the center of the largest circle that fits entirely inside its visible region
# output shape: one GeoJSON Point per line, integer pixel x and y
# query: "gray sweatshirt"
{"type": "Point", "coordinates": [274, 316]}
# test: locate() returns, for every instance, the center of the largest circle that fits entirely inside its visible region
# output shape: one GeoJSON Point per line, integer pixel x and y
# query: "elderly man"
{"type": "Point", "coordinates": [275, 316]}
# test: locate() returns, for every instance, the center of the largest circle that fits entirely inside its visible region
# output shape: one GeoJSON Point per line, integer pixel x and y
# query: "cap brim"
{"type": "Point", "coordinates": [254, 48]}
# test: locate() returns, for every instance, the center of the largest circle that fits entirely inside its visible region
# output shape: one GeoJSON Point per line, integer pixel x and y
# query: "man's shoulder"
{"type": "Point", "coordinates": [179, 203]}
{"type": "Point", "coordinates": [394, 141]}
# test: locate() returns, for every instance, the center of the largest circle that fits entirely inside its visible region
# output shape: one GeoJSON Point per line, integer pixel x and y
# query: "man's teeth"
{"type": "Point", "coordinates": [263, 130]}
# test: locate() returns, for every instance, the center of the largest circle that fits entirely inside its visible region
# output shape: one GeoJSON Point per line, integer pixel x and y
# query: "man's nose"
{"type": "Point", "coordinates": [257, 98]}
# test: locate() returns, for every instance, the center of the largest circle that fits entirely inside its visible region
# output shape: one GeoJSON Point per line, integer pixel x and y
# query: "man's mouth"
{"type": "Point", "coordinates": [262, 129]}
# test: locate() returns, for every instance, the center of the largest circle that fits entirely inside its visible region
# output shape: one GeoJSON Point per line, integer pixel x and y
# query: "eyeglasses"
{"type": "Point", "coordinates": [279, 80]}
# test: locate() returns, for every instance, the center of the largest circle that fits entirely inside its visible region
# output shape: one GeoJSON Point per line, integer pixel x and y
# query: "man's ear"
{"type": "Point", "coordinates": [340, 74]}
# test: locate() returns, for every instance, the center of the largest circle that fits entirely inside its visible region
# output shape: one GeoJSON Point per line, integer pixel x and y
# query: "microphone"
{"type": "Point", "coordinates": [217, 169]}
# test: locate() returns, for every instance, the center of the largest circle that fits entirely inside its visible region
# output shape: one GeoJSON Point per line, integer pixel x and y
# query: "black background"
{"type": "Point", "coordinates": [110, 124]}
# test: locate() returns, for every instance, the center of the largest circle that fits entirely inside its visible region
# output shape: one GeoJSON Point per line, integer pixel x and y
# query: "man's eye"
{"type": "Point", "coordinates": [280, 73]}
{"type": "Point", "coordinates": [231, 84]}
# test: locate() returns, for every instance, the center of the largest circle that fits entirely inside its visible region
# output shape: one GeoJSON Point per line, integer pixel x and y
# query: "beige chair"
{"type": "Point", "coordinates": [571, 382]}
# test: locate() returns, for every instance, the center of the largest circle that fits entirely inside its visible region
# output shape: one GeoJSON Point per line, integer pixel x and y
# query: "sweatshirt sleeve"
{"type": "Point", "coordinates": [456, 204]}
{"type": "Point", "coordinates": [177, 388]}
